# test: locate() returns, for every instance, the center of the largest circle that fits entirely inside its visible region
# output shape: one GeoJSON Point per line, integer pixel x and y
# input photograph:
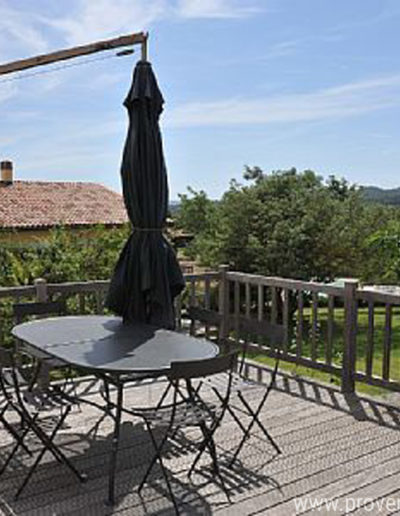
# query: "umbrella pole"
{"type": "Point", "coordinates": [144, 46]}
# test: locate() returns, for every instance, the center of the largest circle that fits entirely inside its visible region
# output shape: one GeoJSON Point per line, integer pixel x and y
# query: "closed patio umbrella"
{"type": "Point", "coordinates": [147, 275]}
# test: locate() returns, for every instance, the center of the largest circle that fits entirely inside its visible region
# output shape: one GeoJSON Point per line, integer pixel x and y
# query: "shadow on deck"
{"type": "Point", "coordinates": [334, 447]}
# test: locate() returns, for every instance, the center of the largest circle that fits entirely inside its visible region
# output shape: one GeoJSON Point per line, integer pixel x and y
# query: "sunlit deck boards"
{"type": "Point", "coordinates": [332, 448]}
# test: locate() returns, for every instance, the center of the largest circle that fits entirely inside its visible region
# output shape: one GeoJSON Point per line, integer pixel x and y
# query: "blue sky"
{"type": "Point", "coordinates": [274, 83]}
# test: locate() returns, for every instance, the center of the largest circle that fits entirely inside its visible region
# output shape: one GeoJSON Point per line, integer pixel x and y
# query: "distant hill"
{"type": "Point", "coordinates": [389, 196]}
{"type": "Point", "coordinates": [381, 195]}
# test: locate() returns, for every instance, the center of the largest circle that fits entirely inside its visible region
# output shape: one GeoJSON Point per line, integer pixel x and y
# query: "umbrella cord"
{"type": "Point", "coordinates": [148, 229]}
{"type": "Point", "coordinates": [62, 67]}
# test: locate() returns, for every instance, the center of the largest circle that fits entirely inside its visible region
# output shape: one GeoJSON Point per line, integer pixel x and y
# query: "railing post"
{"type": "Point", "coordinates": [223, 302]}
{"type": "Point", "coordinates": [41, 290]}
{"type": "Point", "coordinates": [350, 335]}
{"type": "Point", "coordinates": [43, 378]}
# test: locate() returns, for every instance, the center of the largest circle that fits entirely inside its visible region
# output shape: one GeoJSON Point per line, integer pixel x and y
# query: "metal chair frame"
{"type": "Point", "coordinates": [6, 406]}
{"type": "Point", "coordinates": [243, 328]}
{"type": "Point", "coordinates": [39, 309]}
{"type": "Point", "coordinates": [14, 387]}
{"type": "Point", "coordinates": [205, 416]}
{"type": "Point", "coordinates": [44, 364]}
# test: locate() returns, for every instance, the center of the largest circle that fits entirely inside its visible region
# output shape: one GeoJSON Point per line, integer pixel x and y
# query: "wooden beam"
{"type": "Point", "coordinates": [62, 55]}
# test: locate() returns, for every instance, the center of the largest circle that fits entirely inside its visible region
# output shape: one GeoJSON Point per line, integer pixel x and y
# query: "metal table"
{"type": "Point", "coordinates": [111, 349]}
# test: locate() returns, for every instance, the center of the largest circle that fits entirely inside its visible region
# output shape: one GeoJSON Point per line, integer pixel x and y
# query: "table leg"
{"type": "Point", "coordinates": [114, 449]}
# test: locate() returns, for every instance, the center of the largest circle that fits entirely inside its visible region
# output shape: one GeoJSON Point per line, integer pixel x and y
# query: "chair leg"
{"type": "Point", "coordinates": [115, 445]}
{"type": "Point", "coordinates": [15, 434]}
{"type": "Point", "coordinates": [157, 456]}
{"type": "Point", "coordinates": [231, 412]}
{"type": "Point", "coordinates": [202, 447]}
{"type": "Point", "coordinates": [19, 443]}
{"type": "Point", "coordinates": [206, 433]}
{"type": "Point", "coordinates": [255, 415]}
{"type": "Point", "coordinates": [69, 381]}
{"type": "Point", "coordinates": [164, 395]}
{"type": "Point", "coordinates": [208, 442]}
{"type": "Point", "coordinates": [197, 458]}
{"type": "Point", "coordinates": [254, 420]}
{"type": "Point", "coordinates": [216, 468]}
{"type": "Point", "coordinates": [107, 392]}
{"type": "Point", "coordinates": [211, 447]}
{"type": "Point", "coordinates": [48, 445]}
{"type": "Point", "coordinates": [158, 449]}
{"type": "Point", "coordinates": [52, 448]}
{"type": "Point", "coordinates": [95, 427]}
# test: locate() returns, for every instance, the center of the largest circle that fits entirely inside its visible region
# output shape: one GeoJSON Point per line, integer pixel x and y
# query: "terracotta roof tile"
{"type": "Point", "coordinates": [34, 204]}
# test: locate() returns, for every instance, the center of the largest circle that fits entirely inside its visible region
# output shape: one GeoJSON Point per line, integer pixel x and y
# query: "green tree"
{"type": "Point", "coordinates": [64, 256]}
{"type": "Point", "coordinates": [194, 211]}
{"type": "Point", "coordinates": [384, 246]}
{"type": "Point", "coordinates": [285, 223]}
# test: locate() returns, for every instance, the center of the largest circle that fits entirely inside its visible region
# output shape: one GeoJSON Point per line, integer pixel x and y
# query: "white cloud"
{"type": "Point", "coordinates": [86, 20]}
{"type": "Point", "coordinates": [22, 29]}
{"type": "Point", "coordinates": [347, 100]}
{"type": "Point", "coordinates": [105, 18]}
{"type": "Point", "coordinates": [214, 9]}
{"type": "Point", "coordinates": [7, 91]}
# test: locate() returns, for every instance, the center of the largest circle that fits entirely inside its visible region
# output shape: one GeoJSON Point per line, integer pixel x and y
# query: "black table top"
{"type": "Point", "coordinates": [105, 344]}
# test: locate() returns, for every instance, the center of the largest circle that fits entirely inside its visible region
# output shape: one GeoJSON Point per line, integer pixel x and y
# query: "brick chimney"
{"type": "Point", "coordinates": [6, 168]}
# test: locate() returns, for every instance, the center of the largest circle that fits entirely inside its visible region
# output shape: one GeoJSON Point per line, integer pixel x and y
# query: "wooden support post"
{"type": "Point", "coordinates": [41, 290]}
{"type": "Point", "coordinates": [285, 319]}
{"type": "Point", "coordinates": [223, 302]}
{"type": "Point", "coordinates": [300, 324]}
{"type": "Point", "coordinates": [145, 47]}
{"type": "Point", "coordinates": [350, 335]}
{"type": "Point", "coordinates": [43, 378]}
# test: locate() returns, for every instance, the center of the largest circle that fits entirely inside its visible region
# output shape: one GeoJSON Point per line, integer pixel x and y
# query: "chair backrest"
{"type": "Point", "coordinates": [190, 370]}
{"type": "Point", "coordinates": [7, 365]}
{"type": "Point", "coordinates": [23, 310]}
{"type": "Point", "coordinates": [15, 379]}
{"type": "Point", "coordinates": [204, 316]}
{"type": "Point", "coordinates": [274, 332]}
{"type": "Point", "coordinates": [244, 326]}
{"type": "Point", "coordinates": [6, 359]}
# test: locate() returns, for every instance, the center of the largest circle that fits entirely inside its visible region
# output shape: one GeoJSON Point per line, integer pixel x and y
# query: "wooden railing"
{"type": "Point", "coordinates": [346, 331]}
{"type": "Point", "coordinates": [329, 328]}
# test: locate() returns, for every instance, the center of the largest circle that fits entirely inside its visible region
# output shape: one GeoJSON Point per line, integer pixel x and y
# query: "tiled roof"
{"type": "Point", "coordinates": [40, 204]}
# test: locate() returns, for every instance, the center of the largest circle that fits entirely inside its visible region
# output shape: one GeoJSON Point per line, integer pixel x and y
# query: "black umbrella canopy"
{"type": "Point", "coordinates": [147, 276]}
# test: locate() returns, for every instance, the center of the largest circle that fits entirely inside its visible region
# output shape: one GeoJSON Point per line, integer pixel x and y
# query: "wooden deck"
{"type": "Point", "coordinates": [345, 449]}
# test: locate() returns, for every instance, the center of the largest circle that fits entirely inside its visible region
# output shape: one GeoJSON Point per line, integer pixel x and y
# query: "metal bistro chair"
{"type": "Point", "coordinates": [44, 363]}
{"type": "Point", "coordinates": [189, 410]}
{"type": "Point", "coordinates": [242, 386]}
{"type": "Point", "coordinates": [5, 407]}
{"type": "Point", "coordinates": [29, 404]}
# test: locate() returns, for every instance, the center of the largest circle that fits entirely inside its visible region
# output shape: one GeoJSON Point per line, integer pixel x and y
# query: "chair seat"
{"type": "Point", "coordinates": [46, 399]}
{"type": "Point", "coordinates": [54, 362]}
{"type": "Point", "coordinates": [239, 382]}
{"type": "Point", "coordinates": [40, 355]}
{"type": "Point", "coordinates": [135, 378]}
{"type": "Point", "coordinates": [186, 414]}
{"type": "Point", "coordinates": [138, 377]}
{"type": "Point", "coordinates": [35, 397]}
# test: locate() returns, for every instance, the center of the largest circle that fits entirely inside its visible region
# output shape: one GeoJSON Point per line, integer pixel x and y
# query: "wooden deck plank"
{"type": "Point", "coordinates": [365, 484]}
{"type": "Point", "coordinates": [379, 497]}
{"type": "Point", "coordinates": [328, 443]}
{"type": "Point", "coordinates": [280, 501]}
